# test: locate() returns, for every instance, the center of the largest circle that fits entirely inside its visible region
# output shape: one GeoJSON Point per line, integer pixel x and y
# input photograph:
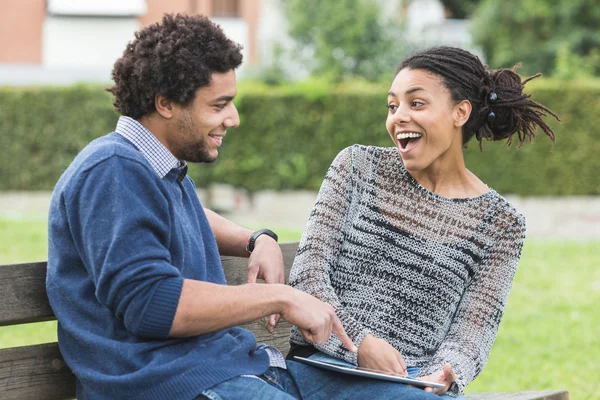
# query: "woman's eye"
{"type": "Point", "coordinates": [392, 107]}
{"type": "Point", "coordinates": [417, 104]}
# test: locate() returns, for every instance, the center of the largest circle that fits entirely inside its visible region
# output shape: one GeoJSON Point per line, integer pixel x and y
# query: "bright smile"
{"type": "Point", "coordinates": [408, 141]}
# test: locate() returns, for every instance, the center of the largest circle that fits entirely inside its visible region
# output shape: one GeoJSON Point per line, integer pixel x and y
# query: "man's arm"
{"type": "Point", "coordinates": [231, 237]}
{"type": "Point", "coordinates": [142, 288]}
{"type": "Point", "coordinates": [206, 307]}
{"type": "Point", "coordinates": [266, 261]}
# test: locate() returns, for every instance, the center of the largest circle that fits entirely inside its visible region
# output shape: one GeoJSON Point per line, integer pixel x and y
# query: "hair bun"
{"type": "Point", "coordinates": [506, 110]}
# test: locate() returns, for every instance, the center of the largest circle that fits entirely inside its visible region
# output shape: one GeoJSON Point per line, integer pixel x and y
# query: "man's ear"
{"type": "Point", "coordinates": [461, 113]}
{"type": "Point", "coordinates": [164, 106]}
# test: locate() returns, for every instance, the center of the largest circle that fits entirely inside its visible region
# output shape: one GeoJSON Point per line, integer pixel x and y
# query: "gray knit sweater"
{"type": "Point", "coordinates": [428, 274]}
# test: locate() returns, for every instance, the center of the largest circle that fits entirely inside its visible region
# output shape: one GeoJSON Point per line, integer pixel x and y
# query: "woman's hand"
{"type": "Point", "coordinates": [375, 353]}
{"type": "Point", "coordinates": [446, 377]}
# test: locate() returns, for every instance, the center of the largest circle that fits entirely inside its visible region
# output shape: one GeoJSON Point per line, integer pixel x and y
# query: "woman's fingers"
{"type": "Point", "coordinates": [449, 375]}
{"type": "Point", "coordinates": [402, 363]}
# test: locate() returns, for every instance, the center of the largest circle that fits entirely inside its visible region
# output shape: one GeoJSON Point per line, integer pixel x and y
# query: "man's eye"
{"type": "Point", "coordinates": [220, 106]}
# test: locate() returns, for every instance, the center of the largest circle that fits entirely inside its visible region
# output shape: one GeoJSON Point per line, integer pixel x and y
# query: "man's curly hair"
{"type": "Point", "coordinates": [174, 58]}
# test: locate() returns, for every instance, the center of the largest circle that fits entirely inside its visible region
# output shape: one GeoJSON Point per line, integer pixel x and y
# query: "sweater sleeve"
{"type": "Point", "coordinates": [119, 219]}
{"type": "Point", "coordinates": [469, 341]}
{"type": "Point", "coordinates": [318, 251]}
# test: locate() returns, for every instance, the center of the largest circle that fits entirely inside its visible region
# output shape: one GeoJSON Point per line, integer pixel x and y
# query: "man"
{"type": "Point", "coordinates": [134, 274]}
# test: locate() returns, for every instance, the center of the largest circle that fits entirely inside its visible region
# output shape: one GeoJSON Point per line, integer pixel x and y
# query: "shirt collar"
{"type": "Point", "coordinates": [159, 157]}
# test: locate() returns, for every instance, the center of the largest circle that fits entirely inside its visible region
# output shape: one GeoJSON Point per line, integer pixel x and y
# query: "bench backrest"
{"type": "Point", "coordinates": [39, 371]}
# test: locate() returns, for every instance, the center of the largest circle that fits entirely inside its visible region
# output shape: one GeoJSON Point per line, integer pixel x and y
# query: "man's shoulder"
{"type": "Point", "coordinates": [109, 152]}
{"type": "Point", "coordinates": [111, 146]}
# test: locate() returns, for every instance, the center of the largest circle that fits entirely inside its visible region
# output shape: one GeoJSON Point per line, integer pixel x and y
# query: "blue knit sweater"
{"type": "Point", "coordinates": [121, 242]}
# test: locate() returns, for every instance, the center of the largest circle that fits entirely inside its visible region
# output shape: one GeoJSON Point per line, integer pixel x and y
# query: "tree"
{"type": "Point", "coordinates": [345, 38]}
{"type": "Point", "coordinates": [540, 33]}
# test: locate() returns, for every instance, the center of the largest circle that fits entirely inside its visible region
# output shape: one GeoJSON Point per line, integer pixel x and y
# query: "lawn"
{"type": "Point", "coordinates": [549, 337]}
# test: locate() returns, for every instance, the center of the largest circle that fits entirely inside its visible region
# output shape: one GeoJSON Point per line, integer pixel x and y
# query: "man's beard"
{"type": "Point", "coordinates": [197, 151]}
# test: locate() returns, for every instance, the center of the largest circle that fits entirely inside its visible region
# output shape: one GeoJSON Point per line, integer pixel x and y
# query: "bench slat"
{"type": "Point", "coordinates": [235, 268]}
{"type": "Point", "coordinates": [35, 372]}
{"type": "Point", "coordinates": [23, 294]}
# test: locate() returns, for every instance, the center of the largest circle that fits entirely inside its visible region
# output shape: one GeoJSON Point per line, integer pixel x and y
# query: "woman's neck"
{"type": "Point", "coordinates": [450, 178]}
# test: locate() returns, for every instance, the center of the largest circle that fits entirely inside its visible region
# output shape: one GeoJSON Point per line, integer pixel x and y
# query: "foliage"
{"type": "Point", "coordinates": [344, 44]}
{"type": "Point", "coordinates": [508, 31]}
{"type": "Point", "coordinates": [42, 129]}
{"type": "Point", "coordinates": [290, 134]}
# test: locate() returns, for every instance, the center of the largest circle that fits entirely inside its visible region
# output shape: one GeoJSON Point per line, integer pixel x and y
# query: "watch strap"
{"type": "Point", "coordinates": [252, 239]}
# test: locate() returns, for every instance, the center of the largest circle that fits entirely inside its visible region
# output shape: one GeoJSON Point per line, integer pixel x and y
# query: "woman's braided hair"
{"type": "Point", "coordinates": [174, 58]}
{"type": "Point", "coordinates": [499, 106]}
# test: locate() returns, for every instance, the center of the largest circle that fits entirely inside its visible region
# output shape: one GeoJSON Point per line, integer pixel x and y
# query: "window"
{"type": "Point", "coordinates": [113, 8]}
{"type": "Point", "coordinates": [226, 8]}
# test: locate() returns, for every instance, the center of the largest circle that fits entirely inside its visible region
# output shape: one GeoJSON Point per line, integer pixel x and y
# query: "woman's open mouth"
{"type": "Point", "coordinates": [408, 141]}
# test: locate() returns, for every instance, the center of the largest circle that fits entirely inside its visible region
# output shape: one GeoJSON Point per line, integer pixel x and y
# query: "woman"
{"type": "Point", "coordinates": [416, 254]}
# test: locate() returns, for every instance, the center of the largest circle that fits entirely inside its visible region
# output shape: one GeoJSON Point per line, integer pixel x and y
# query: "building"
{"type": "Point", "coordinates": [66, 41]}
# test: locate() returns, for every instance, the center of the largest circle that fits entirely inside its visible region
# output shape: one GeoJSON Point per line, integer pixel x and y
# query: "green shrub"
{"type": "Point", "coordinates": [42, 129]}
{"type": "Point", "coordinates": [289, 135]}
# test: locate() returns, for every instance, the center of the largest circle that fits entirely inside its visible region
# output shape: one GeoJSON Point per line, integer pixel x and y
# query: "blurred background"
{"type": "Point", "coordinates": [314, 80]}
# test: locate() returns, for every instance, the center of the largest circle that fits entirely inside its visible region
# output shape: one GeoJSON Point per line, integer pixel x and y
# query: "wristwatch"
{"type": "Point", "coordinates": [252, 239]}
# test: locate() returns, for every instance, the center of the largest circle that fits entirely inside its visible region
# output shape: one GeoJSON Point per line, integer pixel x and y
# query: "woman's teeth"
{"type": "Point", "coordinates": [408, 135]}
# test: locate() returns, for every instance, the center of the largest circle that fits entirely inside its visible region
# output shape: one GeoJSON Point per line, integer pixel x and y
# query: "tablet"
{"type": "Point", "coordinates": [368, 373]}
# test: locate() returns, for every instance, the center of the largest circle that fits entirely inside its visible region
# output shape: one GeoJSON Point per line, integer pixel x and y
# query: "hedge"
{"type": "Point", "coordinates": [289, 135]}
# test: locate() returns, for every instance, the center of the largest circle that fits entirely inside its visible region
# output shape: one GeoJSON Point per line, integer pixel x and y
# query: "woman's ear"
{"type": "Point", "coordinates": [164, 106]}
{"type": "Point", "coordinates": [461, 113]}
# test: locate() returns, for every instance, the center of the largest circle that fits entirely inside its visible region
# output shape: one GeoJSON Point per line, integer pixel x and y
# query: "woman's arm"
{"type": "Point", "coordinates": [473, 330]}
{"type": "Point", "coordinates": [319, 249]}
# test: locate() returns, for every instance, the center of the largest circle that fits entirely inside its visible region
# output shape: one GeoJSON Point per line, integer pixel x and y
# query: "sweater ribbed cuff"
{"type": "Point", "coordinates": [159, 315]}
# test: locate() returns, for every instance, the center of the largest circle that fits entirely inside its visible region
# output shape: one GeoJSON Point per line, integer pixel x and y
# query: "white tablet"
{"type": "Point", "coordinates": [368, 373]}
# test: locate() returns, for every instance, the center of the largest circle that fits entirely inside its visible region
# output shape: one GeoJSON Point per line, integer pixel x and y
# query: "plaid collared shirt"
{"type": "Point", "coordinates": [163, 161]}
{"type": "Point", "coordinates": [160, 158]}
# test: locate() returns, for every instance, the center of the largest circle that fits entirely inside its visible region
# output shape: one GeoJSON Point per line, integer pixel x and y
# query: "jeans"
{"type": "Point", "coordinates": [301, 381]}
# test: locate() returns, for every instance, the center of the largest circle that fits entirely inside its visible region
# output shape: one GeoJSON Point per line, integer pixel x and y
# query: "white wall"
{"type": "Point", "coordinates": [272, 30]}
{"type": "Point", "coordinates": [236, 29]}
{"type": "Point", "coordinates": [97, 7]}
{"type": "Point", "coordinates": [85, 42]}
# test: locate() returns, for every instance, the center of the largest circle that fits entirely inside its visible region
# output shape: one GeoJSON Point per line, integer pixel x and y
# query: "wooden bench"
{"type": "Point", "coordinates": [39, 371]}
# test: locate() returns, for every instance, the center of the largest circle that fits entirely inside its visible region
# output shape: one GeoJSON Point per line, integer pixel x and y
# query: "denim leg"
{"type": "Point", "coordinates": [281, 380]}
{"type": "Point", "coordinates": [320, 384]}
{"type": "Point", "coordinates": [244, 387]}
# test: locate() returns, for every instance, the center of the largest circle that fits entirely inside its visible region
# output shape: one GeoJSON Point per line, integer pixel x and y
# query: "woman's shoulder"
{"type": "Point", "coordinates": [503, 213]}
{"type": "Point", "coordinates": [365, 154]}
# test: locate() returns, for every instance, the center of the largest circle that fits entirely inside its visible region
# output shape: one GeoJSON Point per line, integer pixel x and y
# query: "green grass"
{"type": "Point", "coordinates": [550, 334]}
{"type": "Point", "coordinates": [549, 337]}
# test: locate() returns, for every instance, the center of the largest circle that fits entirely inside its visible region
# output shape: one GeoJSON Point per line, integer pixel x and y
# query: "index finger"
{"type": "Point", "coordinates": [340, 332]}
{"type": "Point", "coordinates": [252, 273]}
